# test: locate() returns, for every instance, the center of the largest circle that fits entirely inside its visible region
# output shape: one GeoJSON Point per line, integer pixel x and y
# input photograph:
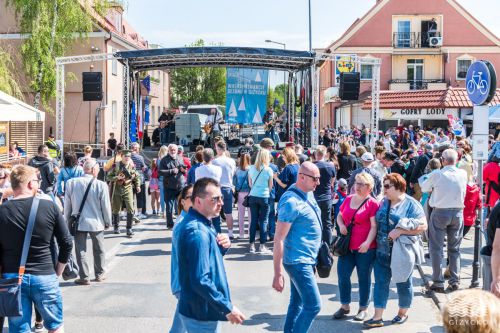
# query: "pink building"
{"type": "Point", "coordinates": [111, 34]}
{"type": "Point", "coordinates": [423, 45]}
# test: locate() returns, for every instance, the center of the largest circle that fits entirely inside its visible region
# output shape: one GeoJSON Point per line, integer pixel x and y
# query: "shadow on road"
{"type": "Point", "coordinates": [145, 253]}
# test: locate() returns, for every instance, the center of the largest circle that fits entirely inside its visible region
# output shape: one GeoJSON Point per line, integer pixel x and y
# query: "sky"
{"type": "Point", "coordinates": [174, 23]}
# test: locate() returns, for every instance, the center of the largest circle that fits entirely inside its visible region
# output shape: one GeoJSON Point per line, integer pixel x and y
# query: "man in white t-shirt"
{"type": "Point", "coordinates": [208, 169]}
{"type": "Point", "coordinates": [228, 166]}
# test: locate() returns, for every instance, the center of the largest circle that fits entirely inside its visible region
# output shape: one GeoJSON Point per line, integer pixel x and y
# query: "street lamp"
{"type": "Point", "coordinates": [284, 73]}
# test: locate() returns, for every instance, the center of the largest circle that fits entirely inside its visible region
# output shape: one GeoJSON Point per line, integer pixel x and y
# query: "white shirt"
{"type": "Point", "coordinates": [228, 166]}
{"type": "Point", "coordinates": [208, 171]}
{"type": "Point", "coordinates": [210, 119]}
{"type": "Point", "coordinates": [448, 187]}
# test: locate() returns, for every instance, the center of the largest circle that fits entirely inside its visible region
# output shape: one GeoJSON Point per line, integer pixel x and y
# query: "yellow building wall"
{"type": "Point", "coordinates": [433, 65]}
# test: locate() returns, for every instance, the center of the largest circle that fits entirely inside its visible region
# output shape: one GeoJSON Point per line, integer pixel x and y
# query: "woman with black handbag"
{"type": "Point", "coordinates": [357, 213]}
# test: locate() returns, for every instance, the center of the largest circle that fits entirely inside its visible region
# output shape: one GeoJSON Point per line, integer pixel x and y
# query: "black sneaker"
{"type": "Point", "coordinates": [38, 327]}
{"type": "Point", "coordinates": [370, 323]}
{"type": "Point", "coordinates": [437, 289]}
{"type": "Point", "coordinates": [130, 233]}
{"type": "Point", "coordinates": [340, 314]}
{"type": "Point", "coordinates": [452, 287]}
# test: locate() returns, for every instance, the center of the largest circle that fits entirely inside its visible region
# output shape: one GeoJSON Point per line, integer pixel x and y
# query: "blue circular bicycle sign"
{"type": "Point", "coordinates": [481, 82]}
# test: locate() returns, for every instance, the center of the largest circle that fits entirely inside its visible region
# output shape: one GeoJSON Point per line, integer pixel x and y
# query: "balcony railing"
{"type": "Point", "coordinates": [416, 84]}
{"type": "Point", "coordinates": [412, 40]}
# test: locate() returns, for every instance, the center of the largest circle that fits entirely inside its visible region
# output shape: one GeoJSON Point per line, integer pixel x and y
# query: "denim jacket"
{"type": "Point", "coordinates": [204, 293]}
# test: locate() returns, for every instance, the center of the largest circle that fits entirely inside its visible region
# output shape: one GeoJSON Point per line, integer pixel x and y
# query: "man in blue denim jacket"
{"type": "Point", "coordinates": [296, 245]}
{"type": "Point", "coordinates": [204, 298]}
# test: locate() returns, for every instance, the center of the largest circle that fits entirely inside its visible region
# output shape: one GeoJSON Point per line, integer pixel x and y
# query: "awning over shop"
{"type": "Point", "coordinates": [426, 99]}
{"type": "Point", "coordinates": [494, 115]}
{"type": "Point", "coordinates": [12, 109]}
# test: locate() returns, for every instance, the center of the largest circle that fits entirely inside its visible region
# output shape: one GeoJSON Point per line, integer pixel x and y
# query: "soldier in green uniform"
{"type": "Point", "coordinates": [125, 179]}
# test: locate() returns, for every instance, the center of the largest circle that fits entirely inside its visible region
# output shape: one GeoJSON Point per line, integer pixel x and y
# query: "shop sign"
{"type": "Point", "coordinates": [416, 113]}
{"type": "Point", "coordinates": [4, 128]}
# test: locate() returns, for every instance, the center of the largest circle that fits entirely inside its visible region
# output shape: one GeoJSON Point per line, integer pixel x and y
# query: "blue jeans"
{"type": "Point", "coordinates": [259, 208]}
{"type": "Point", "coordinates": [177, 324]}
{"type": "Point", "coordinates": [171, 201]}
{"type": "Point", "coordinates": [382, 271]}
{"type": "Point", "coordinates": [162, 194]}
{"type": "Point", "coordinates": [305, 301]}
{"type": "Point", "coordinates": [198, 326]}
{"type": "Point", "coordinates": [272, 217]}
{"type": "Point", "coordinates": [42, 291]}
{"type": "Point", "coordinates": [364, 265]}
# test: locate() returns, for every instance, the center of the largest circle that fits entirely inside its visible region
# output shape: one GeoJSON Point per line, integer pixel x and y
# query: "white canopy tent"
{"type": "Point", "coordinates": [12, 109]}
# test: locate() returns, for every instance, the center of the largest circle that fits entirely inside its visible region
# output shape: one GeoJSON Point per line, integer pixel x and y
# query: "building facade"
{"type": "Point", "coordinates": [423, 45]}
{"type": "Point", "coordinates": [112, 33]}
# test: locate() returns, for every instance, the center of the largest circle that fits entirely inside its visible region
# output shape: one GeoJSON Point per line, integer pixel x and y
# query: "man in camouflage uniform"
{"type": "Point", "coordinates": [125, 179]}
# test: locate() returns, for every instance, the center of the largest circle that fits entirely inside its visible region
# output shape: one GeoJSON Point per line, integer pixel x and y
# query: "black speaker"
{"type": "Point", "coordinates": [92, 86]}
{"type": "Point", "coordinates": [349, 86]}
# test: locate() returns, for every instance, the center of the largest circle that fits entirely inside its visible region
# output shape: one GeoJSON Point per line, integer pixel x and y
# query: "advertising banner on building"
{"type": "Point", "coordinates": [246, 95]}
{"type": "Point", "coordinates": [344, 64]}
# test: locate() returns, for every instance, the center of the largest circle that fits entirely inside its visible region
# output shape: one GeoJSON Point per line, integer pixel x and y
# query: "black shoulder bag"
{"type": "Point", "coordinates": [324, 260]}
{"type": "Point", "coordinates": [10, 289]}
{"type": "Point", "coordinates": [340, 244]}
{"type": "Point", "coordinates": [246, 202]}
{"type": "Point", "coordinates": [74, 220]}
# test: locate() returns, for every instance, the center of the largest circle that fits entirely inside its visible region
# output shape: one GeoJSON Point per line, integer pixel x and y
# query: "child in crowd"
{"type": "Point", "coordinates": [154, 188]}
{"type": "Point", "coordinates": [338, 198]}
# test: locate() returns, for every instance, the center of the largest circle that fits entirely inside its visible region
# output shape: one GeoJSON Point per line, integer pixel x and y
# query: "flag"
{"type": "Point", "coordinates": [139, 120]}
{"type": "Point", "coordinates": [147, 83]}
{"type": "Point", "coordinates": [146, 112]}
{"type": "Point", "coordinates": [133, 123]}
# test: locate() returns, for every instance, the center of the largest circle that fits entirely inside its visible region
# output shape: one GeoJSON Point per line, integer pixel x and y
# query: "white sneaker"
{"type": "Point", "coordinates": [142, 216]}
{"type": "Point", "coordinates": [252, 248]}
{"type": "Point", "coordinates": [264, 250]}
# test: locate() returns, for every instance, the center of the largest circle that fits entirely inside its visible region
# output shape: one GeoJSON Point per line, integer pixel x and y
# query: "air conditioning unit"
{"type": "Point", "coordinates": [436, 41]}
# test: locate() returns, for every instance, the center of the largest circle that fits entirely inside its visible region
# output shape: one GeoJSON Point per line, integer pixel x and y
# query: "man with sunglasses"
{"type": "Point", "coordinates": [204, 298]}
{"type": "Point", "coordinates": [296, 246]}
{"type": "Point", "coordinates": [95, 217]}
{"type": "Point", "coordinates": [48, 169]}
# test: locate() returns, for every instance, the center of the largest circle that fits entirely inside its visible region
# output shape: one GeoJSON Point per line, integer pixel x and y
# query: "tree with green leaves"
{"type": "Point", "coordinates": [198, 85]}
{"type": "Point", "coordinates": [50, 27]}
{"type": "Point", "coordinates": [8, 82]}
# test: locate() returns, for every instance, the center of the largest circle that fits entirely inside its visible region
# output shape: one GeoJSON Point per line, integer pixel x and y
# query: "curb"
{"type": "Point", "coordinates": [427, 283]}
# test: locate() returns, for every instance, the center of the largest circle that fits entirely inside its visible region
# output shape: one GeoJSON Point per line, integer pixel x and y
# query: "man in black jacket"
{"type": "Point", "coordinates": [173, 170]}
{"type": "Point", "coordinates": [47, 167]}
{"type": "Point", "coordinates": [419, 169]}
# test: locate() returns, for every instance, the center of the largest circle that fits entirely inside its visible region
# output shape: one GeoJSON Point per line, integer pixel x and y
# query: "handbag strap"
{"type": "Point", "coordinates": [303, 197]}
{"type": "Point", "coordinates": [27, 237]}
{"type": "Point", "coordinates": [85, 197]}
{"type": "Point", "coordinates": [256, 178]}
{"type": "Point", "coordinates": [356, 211]}
{"type": "Point", "coordinates": [244, 181]}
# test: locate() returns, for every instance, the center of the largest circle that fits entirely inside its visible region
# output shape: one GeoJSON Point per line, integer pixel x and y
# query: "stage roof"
{"type": "Point", "coordinates": [170, 58]}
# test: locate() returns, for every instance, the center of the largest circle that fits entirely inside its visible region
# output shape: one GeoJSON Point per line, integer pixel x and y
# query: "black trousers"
{"type": "Point", "coordinates": [141, 199]}
{"type": "Point", "coordinates": [326, 219]}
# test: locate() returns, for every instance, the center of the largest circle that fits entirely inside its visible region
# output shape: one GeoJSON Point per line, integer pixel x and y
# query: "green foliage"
{"type": "Point", "coordinates": [198, 85]}
{"type": "Point", "coordinates": [8, 82]}
{"type": "Point", "coordinates": [51, 26]}
{"type": "Point", "coordinates": [276, 93]}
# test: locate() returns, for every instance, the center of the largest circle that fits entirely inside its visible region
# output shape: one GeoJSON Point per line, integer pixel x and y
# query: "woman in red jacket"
{"type": "Point", "coordinates": [472, 205]}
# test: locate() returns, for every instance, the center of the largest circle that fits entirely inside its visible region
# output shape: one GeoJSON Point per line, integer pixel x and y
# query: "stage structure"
{"type": "Point", "coordinates": [302, 68]}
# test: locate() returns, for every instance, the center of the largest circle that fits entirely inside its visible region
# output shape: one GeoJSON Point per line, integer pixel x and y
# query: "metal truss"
{"type": "Point", "coordinates": [60, 105]}
{"type": "Point", "coordinates": [126, 105]}
{"type": "Point", "coordinates": [84, 58]}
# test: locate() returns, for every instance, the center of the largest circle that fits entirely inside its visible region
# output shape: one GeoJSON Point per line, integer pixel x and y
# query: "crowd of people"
{"type": "Point", "coordinates": [415, 186]}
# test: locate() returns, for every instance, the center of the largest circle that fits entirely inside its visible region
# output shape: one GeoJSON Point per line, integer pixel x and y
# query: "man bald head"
{"type": "Point", "coordinates": [308, 177]}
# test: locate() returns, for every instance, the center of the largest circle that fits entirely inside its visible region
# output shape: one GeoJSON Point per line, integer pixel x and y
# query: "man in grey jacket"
{"type": "Point", "coordinates": [95, 217]}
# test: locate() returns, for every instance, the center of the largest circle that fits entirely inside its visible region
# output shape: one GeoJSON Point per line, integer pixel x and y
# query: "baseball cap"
{"type": "Point", "coordinates": [180, 148]}
{"type": "Point", "coordinates": [367, 157]}
{"type": "Point", "coordinates": [267, 143]}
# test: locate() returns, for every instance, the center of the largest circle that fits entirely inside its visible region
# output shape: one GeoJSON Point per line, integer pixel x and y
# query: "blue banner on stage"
{"type": "Point", "coordinates": [133, 123]}
{"type": "Point", "coordinates": [246, 95]}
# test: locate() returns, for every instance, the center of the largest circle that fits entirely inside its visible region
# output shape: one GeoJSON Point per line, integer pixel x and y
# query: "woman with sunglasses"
{"type": "Point", "coordinates": [358, 209]}
{"type": "Point", "coordinates": [400, 221]}
{"type": "Point", "coordinates": [184, 204]}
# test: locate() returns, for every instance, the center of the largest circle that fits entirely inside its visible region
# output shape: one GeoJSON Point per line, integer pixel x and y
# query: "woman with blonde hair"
{"type": "Point", "coordinates": [260, 180]}
{"type": "Point", "coordinates": [161, 154]}
{"type": "Point", "coordinates": [357, 213]}
{"type": "Point", "coordinates": [242, 188]}
{"type": "Point", "coordinates": [87, 151]}
{"type": "Point", "coordinates": [288, 175]}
